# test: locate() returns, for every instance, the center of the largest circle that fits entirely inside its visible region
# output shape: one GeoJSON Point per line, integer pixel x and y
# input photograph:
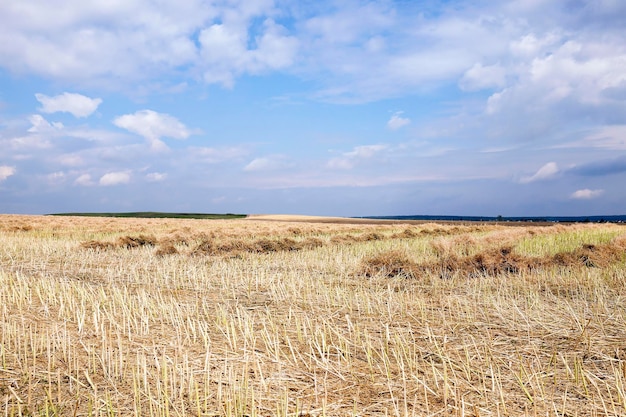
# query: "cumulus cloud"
{"type": "Point", "coordinates": [153, 126]}
{"type": "Point", "coordinates": [549, 170]}
{"type": "Point", "coordinates": [226, 54]}
{"type": "Point", "coordinates": [107, 42]}
{"type": "Point", "coordinates": [6, 172]}
{"type": "Point", "coordinates": [586, 194]}
{"type": "Point", "coordinates": [397, 121]}
{"type": "Point", "coordinates": [115, 178]}
{"type": "Point", "coordinates": [76, 104]}
{"type": "Point", "coordinates": [567, 76]}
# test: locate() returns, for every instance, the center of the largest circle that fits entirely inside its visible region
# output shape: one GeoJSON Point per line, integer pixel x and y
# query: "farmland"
{"type": "Point", "coordinates": [250, 317]}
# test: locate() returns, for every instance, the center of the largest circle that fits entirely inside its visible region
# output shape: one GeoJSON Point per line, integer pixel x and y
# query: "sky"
{"type": "Point", "coordinates": [343, 108]}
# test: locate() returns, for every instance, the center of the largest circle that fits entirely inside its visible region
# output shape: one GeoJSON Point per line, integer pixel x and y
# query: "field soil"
{"type": "Point", "coordinates": [307, 316]}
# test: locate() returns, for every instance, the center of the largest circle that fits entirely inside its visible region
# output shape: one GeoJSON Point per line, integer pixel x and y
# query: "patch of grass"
{"type": "Point", "coordinates": [567, 239]}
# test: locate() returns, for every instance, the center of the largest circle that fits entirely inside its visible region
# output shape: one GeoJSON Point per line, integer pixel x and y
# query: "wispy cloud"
{"type": "Point", "coordinates": [397, 121]}
{"type": "Point", "coordinates": [218, 154]}
{"type": "Point", "coordinates": [606, 137]}
{"type": "Point", "coordinates": [268, 163]}
{"type": "Point", "coordinates": [360, 153]}
{"type": "Point", "coordinates": [57, 177]}
{"type": "Point", "coordinates": [549, 170]}
{"type": "Point", "coordinates": [84, 180]}
{"type": "Point", "coordinates": [156, 176]}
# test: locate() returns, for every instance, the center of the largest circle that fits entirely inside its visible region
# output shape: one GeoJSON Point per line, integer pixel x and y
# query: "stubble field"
{"type": "Point", "coordinates": [161, 317]}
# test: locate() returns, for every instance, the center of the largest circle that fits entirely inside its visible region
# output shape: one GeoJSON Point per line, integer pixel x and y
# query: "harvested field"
{"type": "Point", "coordinates": [288, 316]}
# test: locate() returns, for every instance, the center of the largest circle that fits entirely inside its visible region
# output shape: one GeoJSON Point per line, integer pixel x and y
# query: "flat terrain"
{"type": "Point", "coordinates": [277, 316]}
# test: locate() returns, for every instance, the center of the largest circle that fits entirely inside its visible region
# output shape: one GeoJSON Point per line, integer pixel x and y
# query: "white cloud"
{"type": "Point", "coordinates": [217, 155]}
{"type": "Point", "coordinates": [268, 163]}
{"type": "Point", "coordinates": [573, 74]}
{"type": "Point", "coordinates": [481, 77]}
{"type": "Point", "coordinates": [56, 177]}
{"type": "Point", "coordinates": [76, 104]}
{"type": "Point", "coordinates": [101, 41]}
{"type": "Point", "coordinates": [547, 171]}
{"type": "Point", "coordinates": [115, 178]}
{"type": "Point", "coordinates": [225, 50]}
{"type": "Point", "coordinates": [359, 50]}
{"type": "Point", "coordinates": [350, 159]}
{"type": "Point", "coordinates": [156, 176]}
{"type": "Point", "coordinates": [6, 172]}
{"type": "Point", "coordinates": [611, 137]}
{"type": "Point", "coordinates": [41, 125]}
{"type": "Point", "coordinates": [340, 163]}
{"type": "Point", "coordinates": [30, 142]}
{"type": "Point", "coordinates": [365, 151]}
{"type": "Point", "coordinates": [586, 194]}
{"type": "Point", "coordinates": [153, 126]}
{"type": "Point", "coordinates": [71, 160]}
{"type": "Point", "coordinates": [529, 45]}
{"type": "Point", "coordinates": [397, 121]}
{"type": "Point", "coordinates": [84, 180]}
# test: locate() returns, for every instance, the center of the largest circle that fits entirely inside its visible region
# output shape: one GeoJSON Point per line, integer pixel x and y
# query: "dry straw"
{"type": "Point", "coordinates": [104, 317]}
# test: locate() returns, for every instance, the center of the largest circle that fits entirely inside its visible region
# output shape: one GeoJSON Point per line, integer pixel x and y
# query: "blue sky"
{"type": "Point", "coordinates": [344, 108]}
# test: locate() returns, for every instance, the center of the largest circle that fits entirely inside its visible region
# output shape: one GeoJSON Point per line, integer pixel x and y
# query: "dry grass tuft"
{"type": "Point", "coordinates": [390, 264]}
{"type": "Point", "coordinates": [343, 239]}
{"type": "Point", "coordinates": [97, 245]}
{"type": "Point", "coordinates": [592, 256]}
{"type": "Point", "coordinates": [166, 248]}
{"type": "Point", "coordinates": [312, 243]}
{"type": "Point", "coordinates": [406, 234]}
{"type": "Point", "coordinates": [492, 262]}
{"type": "Point", "coordinates": [235, 247]}
{"type": "Point", "coordinates": [130, 242]}
{"type": "Point", "coordinates": [367, 237]}
{"type": "Point", "coordinates": [504, 260]}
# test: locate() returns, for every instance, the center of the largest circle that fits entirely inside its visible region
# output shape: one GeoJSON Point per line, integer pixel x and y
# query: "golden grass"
{"type": "Point", "coordinates": [162, 317]}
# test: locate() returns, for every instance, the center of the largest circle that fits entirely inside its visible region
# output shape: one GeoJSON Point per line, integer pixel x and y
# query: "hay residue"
{"type": "Point", "coordinates": [498, 261]}
{"type": "Point", "coordinates": [390, 264]}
